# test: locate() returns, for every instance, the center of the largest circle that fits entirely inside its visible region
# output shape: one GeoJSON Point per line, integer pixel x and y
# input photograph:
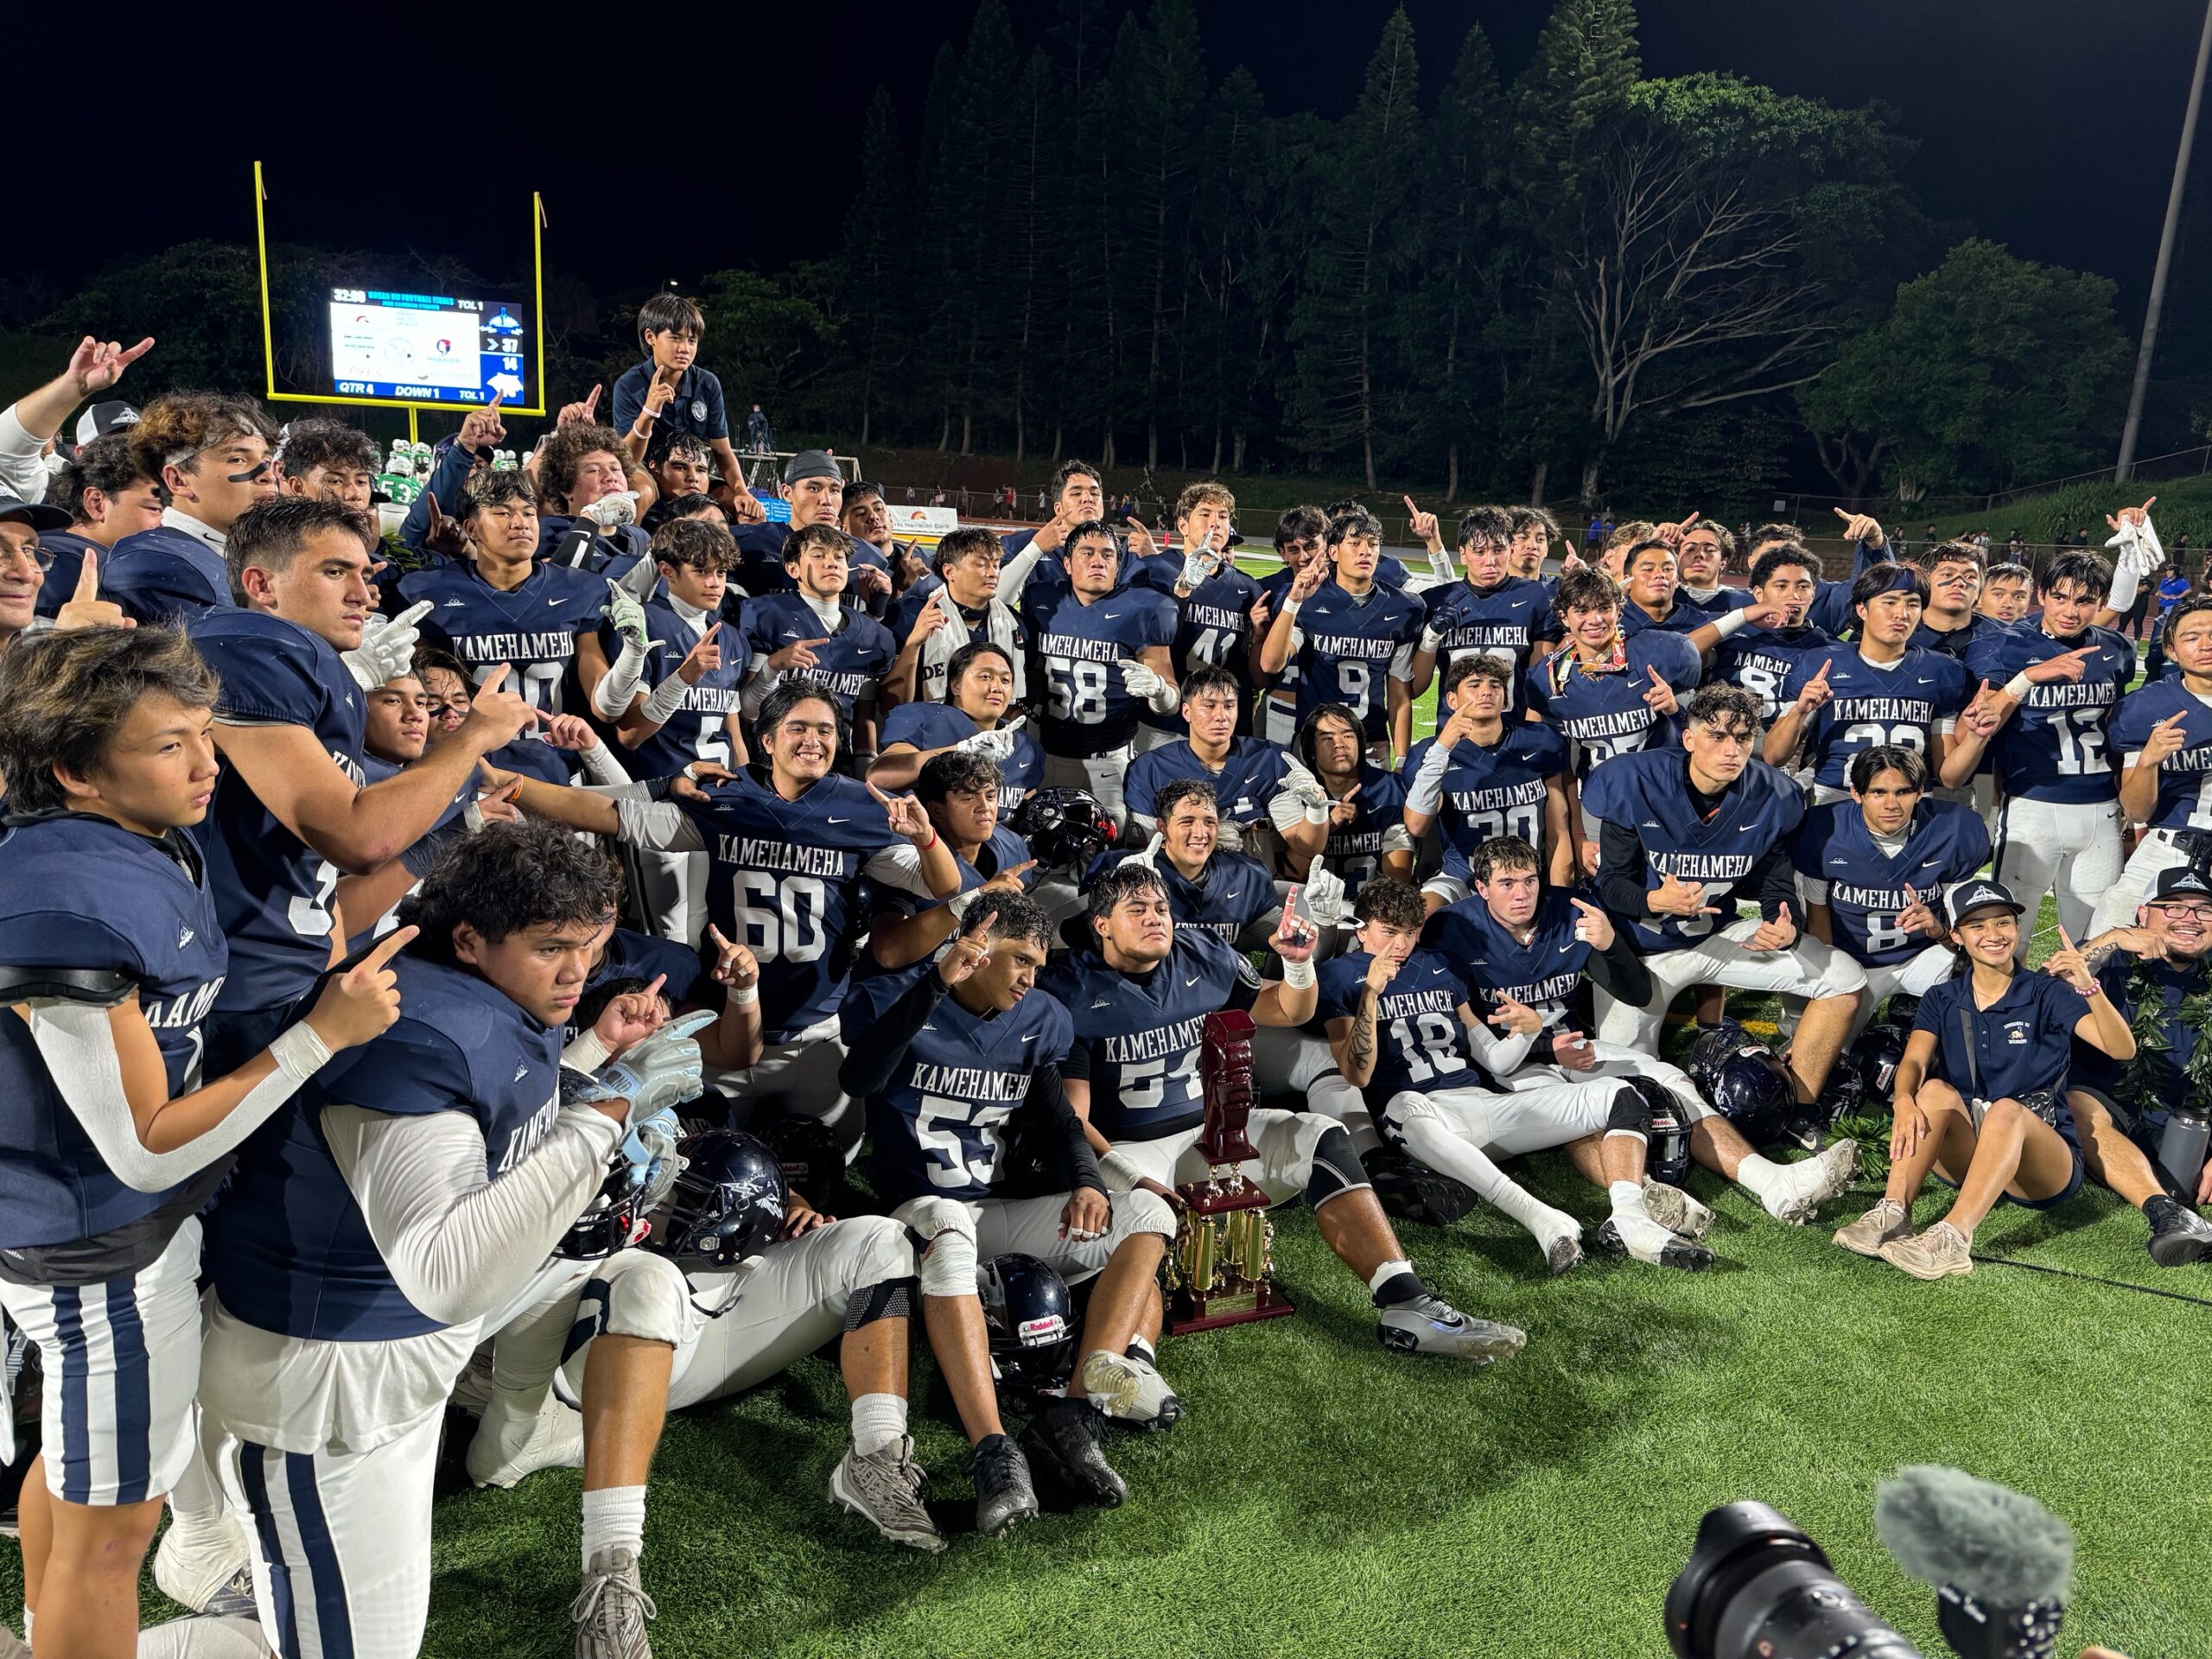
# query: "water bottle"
{"type": "Point", "coordinates": [2181, 1147]}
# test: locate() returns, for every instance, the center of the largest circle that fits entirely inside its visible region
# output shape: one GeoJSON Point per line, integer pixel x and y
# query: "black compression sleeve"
{"type": "Point", "coordinates": [1620, 871]}
{"type": "Point", "coordinates": [1774, 881]}
{"type": "Point", "coordinates": [1619, 972]}
{"type": "Point", "coordinates": [867, 1071]}
{"type": "Point", "coordinates": [1057, 1122]}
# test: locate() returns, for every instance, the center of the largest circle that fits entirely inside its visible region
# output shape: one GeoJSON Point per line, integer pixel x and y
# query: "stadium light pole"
{"type": "Point", "coordinates": [2126, 465]}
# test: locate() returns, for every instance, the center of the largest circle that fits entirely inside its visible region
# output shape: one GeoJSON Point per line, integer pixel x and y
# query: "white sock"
{"type": "Point", "coordinates": [615, 1518]}
{"type": "Point", "coordinates": [878, 1420]}
{"type": "Point", "coordinates": [1628, 1199]}
{"type": "Point", "coordinates": [197, 1512]}
{"type": "Point", "coordinates": [1759, 1176]}
{"type": "Point", "coordinates": [1448, 1153]}
{"type": "Point", "coordinates": [1384, 1274]}
{"type": "Point", "coordinates": [1644, 1238]}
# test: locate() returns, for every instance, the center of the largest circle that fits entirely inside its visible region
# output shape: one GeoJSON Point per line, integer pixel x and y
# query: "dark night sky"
{"type": "Point", "coordinates": [2047, 123]}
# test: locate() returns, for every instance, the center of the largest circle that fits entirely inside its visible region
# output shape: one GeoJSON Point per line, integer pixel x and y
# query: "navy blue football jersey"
{"type": "Point", "coordinates": [928, 726]}
{"type": "Point", "coordinates": [1143, 1035]}
{"type": "Point", "coordinates": [1604, 712]}
{"type": "Point", "coordinates": [1724, 600]}
{"type": "Point", "coordinates": [164, 575]}
{"type": "Point", "coordinates": [1503, 622]}
{"type": "Point", "coordinates": [1213, 629]}
{"type": "Point", "coordinates": [852, 660]}
{"type": "Point", "coordinates": [288, 1248]}
{"type": "Point", "coordinates": [1354, 851]}
{"type": "Point", "coordinates": [1079, 650]}
{"type": "Point", "coordinates": [1495, 789]}
{"type": "Point", "coordinates": [1545, 972]}
{"type": "Point", "coordinates": [1250, 778]}
{"type": "Point", "coordinates": [2021, 1042]}
{"type": "Point", "coordinates": [786, 882]}
{"type": "Point", "coordinates": [939, 1130]}
{"type": "Point", "coordinates": [700, 729]}
{"type": "Point", "coordinates": [1760, 660]}
{"type": "Point", "coordinates": [1946, 843]}
{"type": "Point", "coordinates": [1004, 850]}
{"type": "Point", "coordinates": [85, 894]}
{"type": "Point", "coordinates": [1420, 1041]}
{"type": "Point", "coordinates": [533, 628]}
{"type": "Point", "coordinates": [1962, 642]}
{"type": "Point", "coordinates": [1349, 648]}
{"type": "Point", "coordinates": [1682, 617]}
{"type": "Point", "coordinates": [1906, 703]}
{"type": "Point", "coordinates": [1830, 611]}
{"type": "Point", "coordinates": [1231, 893]}
{"type": "Point", "coordinates": [272, 890]}
{"type": "Point", "coordinates": [2053, 747]}
{"type": "Point", "coordinates": [2185, 778]}
{"type": "Point", "coordinates": [1647, 793]}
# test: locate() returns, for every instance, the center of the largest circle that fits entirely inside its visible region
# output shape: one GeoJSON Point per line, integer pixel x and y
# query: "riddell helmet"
{"type": "Point", "coordinates": [1746, 1084]}
{"type": "Point", "coordinates": [729, 1200]}
{"type": "Point", "coordinates": [1066, 828]}
{"type": "Point", "coordinates": [639, 1176]}
{"type": "Point", "coordinates": [1874, 1058]}
{"type": "Point", "coordinates": [1667, 1152]}
{"type": "Point", "coordinates": [1030, 1315]}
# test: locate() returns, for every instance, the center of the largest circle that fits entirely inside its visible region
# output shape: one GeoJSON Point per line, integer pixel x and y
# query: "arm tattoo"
{"type": "Point", "coordinates": [1359, 1049]}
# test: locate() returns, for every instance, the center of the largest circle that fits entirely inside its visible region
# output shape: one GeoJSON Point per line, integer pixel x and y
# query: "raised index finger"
{"type": "Point", "coordinates": [492, 680]}
{"type": "Point", "coordinates": [389, 947]}
{"type": "Point", "coordinates": [498, 392]}
{"type": "Point", "coordinates": [2064, 944]}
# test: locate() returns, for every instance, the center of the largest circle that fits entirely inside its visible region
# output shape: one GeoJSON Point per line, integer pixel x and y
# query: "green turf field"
{"type": "Point", "coordinates": [1321, 1498]}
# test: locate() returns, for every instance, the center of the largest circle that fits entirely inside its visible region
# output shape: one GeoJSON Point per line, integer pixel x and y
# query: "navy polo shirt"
{"type": "Point", "coordinates": [695, 409]}
{"type": "Point", "coordinates": [2022, 1042]}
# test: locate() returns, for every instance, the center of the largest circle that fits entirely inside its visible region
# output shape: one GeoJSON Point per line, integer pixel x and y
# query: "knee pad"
{"type": "Point", "coordinates": [646, 1296]}
{"type": "Point", "coordinates": [886, 1298]}
{"type": "Point", "coordinates": [1406, 1107]}
{"type": "Point", "coordinates": [1630, 1115]}
{"type": "Point", "coordinates": [1336, 1169]}
{"type": "Point", "coordinates": [1140, 1212]}
{"type": "Point", "coordinates": [944, 1238]}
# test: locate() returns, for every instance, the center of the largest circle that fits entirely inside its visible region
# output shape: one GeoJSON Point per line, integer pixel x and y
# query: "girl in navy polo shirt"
{"type": "Point", "coordinates": [1982, 1090]}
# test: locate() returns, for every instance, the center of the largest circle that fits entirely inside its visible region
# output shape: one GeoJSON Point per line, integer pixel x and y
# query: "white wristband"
{"type": "Point", "coordinates": [743, 996]}
{"type": "Point", "coordinates": [299, 1053]}
{"type": "Point", "coordinates": [1290, 610]}
{"type": "Point", "coordinates": [2016, 687]}
{"type": "Point", "coordinates": [1730, 622]}
{"type": "Point", "coordinates": [1298, 975]}
{"type": "Point", "coordinates": [1120, 1171]}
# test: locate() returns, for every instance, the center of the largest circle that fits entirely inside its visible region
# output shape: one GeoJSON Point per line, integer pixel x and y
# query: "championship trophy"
{"type": "Point", "coordinates": [1222, 1271]}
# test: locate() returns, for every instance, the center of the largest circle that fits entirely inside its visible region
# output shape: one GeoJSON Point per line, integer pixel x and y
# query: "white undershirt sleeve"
{"type": "Point", "coordinates": [660, 826]}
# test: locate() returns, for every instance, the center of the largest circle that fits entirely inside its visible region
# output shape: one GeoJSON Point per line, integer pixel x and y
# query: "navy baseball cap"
{"type": "Point", "coordinates": [813, 463]}
{"type": "Point", "coordinates": [2180, 882]}
{"type": "Point", "coordinates": [1981, 893]}
{"type": "Point", "coordinates": [103, 418]}
{"type": "Point", "coordinates": [38, 516]}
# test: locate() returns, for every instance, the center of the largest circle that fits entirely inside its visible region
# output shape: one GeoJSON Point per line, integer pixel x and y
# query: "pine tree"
{"type": "Point", "coordinates": [1586, 60]}
{"type": "Point", "coordinates": [872, 289]}
{"type": "Point", "coordinates": [1035, 222]}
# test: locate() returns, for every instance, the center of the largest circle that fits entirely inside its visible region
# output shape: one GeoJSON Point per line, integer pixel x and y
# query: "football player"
{"type": "Point", "coordinates": [1873, 870]}
{"type": "Point", "coordinates": [1367, 829]}
{"type": "Point", "coordinates": [1483, 776]}
{"type": "Point", "coordinates": [957, 1059]}
{"type": "Point", "coordinates": [506, 605]}
{"type": "Point", "coordinates": [1979, 1092]}
{"type": "Point", "coordinates": [1494, 612]}
{"type": "Point", "coordinates": [978, 717]}
{"type": "Point", "coordinates": [1881, 690]}
{"type": "Point", "coordinates": [1208, 886]}
{"type": "Point", "coordinates": [116, 1135]}
{"type": "Point", "coordinates": [792, 843]}
{"type": "Point", "coordinates": [418, 1185]}
{"type": "Point", "coordinates": [1682, 836]}
{"type": "Point", "coordinates": [1760, 659]}
{"type": "Point", "coordinates": [940, 616]}
{"type": "Point", "coordinates": [329, 460]}
{"type": "Point", "coordinates": [1610, 693]}
{"type": "Point", "coordinates": [1257, 784]}
{"type": "Point", "coordinates": [1350, 638]}
{"type": "Point", "coordinates": [107, 495]}
{"type": "Point", "coordinates": [1515, 939]}
{"type": "Point", "coordinates": [2008, 593]}
{"type": "Point", "coordinates": [2152, 968]}
{"type": "Point", "coordinates": [814, 485]}
{"type": "Point", "coordinates": [1534, 530]}
{"type": "Point", "coordinates": [810, 633]}
{"type": "Point", "coordinates": [1218, 609]}
{"type": "Point", "coordinates": [1400, 1024]}
{"type": "Point", "coordinates": [1078, 497]}
{"type": "Point", "coordinates": [293, 811]}
{"type": "Point", "coordinates": [1949, 623]}
{"type": "Point", "coordinates": [2059, 828]}
{"type": "Point", "coordinates": [961, 794]}
{"type": "Point", "coordinates": [1701, 558]}
{"type": "Point", "coordinates": [1102, 651]}
{"type": "Point", "coordinates": [211, 457]}
{"type": "Point", "coordinates": [594, 498]}
{"type": "Point", "coordinates": [2163, 733]}
{"type": "Point", "coordinates": [1139, 998]}
{"type": "Point", "coordinates": [1301, 536]}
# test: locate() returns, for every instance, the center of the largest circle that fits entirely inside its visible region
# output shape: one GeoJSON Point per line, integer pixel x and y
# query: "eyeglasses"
{"type": "Point", "coordinates": [2186, 913]}
{"type": "Point", "coordinates": [37, 552]}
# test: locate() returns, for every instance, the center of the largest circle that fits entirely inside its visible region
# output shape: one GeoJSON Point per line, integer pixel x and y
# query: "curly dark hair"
{"type": "Point", "coordinates": [1586, 590]}
{"type": "Point", "coordinates": [63, 696]}
{"type": "Point", "coordinates": [1124, 881]}
{"type": "Point", "coordinates": [1183, 789]}
{"type": "Point", "coordinates": [314, 441]}
{"type": "Point", "coordinates": [508, 877]}
{"type": "Point", "coordinates": [955, 769]}
{"type": "Point", "coordinates": [1020, 916]}
{"type": "Point", "coordinates": [494, 488]}
{"type": "Point", "coordinates": [565, 450]}
{"type": "Point", "coordinates": [1395, 903]}
{"type": "Point", "coordinates": [695, 543]}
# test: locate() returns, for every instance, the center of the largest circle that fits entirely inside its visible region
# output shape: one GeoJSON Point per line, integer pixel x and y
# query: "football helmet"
{"type": "Point", "coordinates": [1066, 828]}
{"type": "Point", "coordinates": [1874, 1060]}
{"type": "Point", "coordinates": [1030, 1314]}
{"type": "Point", "coordinates": [729, 1200]}
{"type": "Point", "coordinates": [639, 1176]}
{"type": "Point", "coordinates": [1745, 1085]}
{"type": "Point", "coordinates": [1667, 1142]}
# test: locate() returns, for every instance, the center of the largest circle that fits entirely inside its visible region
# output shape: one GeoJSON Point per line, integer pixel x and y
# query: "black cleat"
{"type": "Point", "coordinates": [1066, 1438]}
{"type": "Point", "coordinates": [2179, 1236]}
{"type": "Point", "coordinates": [1412, 1191]}
{"type": "Point", "coordinates": [1672, 1252]}
{"type": "Point", "coordinates": [1004, 1494]}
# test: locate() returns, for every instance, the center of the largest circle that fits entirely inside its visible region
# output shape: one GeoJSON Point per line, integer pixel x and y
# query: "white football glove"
{"type": "Point", "coordinates": [387, 647]}
{"type": "Point", "coordinates": [1150, 857]}
{"type": "Point", "coordinates": [993, 746]}
{"type": "Point", "coordinates": [1325, 896]}
{"type": "Point", "coordinates": [1310, 797]}
{"type": "Point", "coordinates": [658, 1073]}
{"type": "Point", "coordinates": [628, 616]}
{"type": "Point", "coordinates": [1143, 682]}
{"type": "Point", "coordinates": [612, 511]}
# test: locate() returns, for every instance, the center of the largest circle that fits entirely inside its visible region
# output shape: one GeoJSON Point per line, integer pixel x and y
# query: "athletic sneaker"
{"type": "Point", "coordinates": [1004, 1493]}
{"type": "Point", "coordinates": [610, 1611]}
{"type": "Point", "coordinates": [1429, 1325]}
{"type": "Point", "coordinates": [2179, 1235]}
{"type": "Point", "coordinates": [555, 1440]}
{"type": "Point", "coordinates": [1938, 1253]}
{"type": "Point", "coordinates": [1065, 1439]}
{"type": "Point", "coordinates": [1666, 1250]}
{"type": "Point", "coordinates": [1129, 1389]}
{"type": "Point", "coordinates": [1809, 1185]}
{"type": "Point", "coordinates": [1560, 1235]}
{"type": "Point", "coordinates": [884, 1489]}
{"type": "Point", "coordinates": [1408, 1190]}
{"type": "Point", "coordinates": [208, 1570]}
{"type": "Point", "coordinates": [1676, 1211]}
{"type": "Point", "coordinates": [1886, 1220]}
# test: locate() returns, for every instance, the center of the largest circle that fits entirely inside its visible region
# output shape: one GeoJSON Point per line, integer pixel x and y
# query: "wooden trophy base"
{"type": "Point", "coordinates": [1219, 1270]}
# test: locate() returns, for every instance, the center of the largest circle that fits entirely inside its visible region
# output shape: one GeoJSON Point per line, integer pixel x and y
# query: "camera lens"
{"type": "Point", "coordinates": [1757, 1587]}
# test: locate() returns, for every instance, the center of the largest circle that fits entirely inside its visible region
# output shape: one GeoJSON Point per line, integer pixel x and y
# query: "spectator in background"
{"type": "Point", "coordinates": [108, 495]}
{"type": "Point", "coordinates": [758, 433]}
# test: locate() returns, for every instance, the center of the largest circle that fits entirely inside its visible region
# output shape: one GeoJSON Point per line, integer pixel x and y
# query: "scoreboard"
{"type": "Point", "coordinates": [429, 349]}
